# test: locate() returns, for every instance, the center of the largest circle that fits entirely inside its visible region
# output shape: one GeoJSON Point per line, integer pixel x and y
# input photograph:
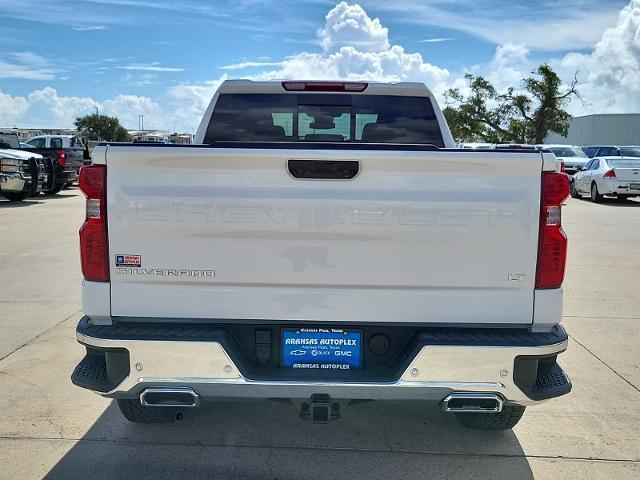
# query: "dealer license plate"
{"type": "Point", "coordinates": [322, 348]}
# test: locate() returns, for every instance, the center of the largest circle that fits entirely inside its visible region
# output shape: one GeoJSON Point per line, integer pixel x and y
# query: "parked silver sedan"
{"type": "Point", "coordinates": [611, 176]}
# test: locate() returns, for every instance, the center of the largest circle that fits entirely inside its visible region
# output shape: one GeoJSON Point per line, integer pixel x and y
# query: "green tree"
{"type": "Point", "coordinates": [526, 115]}
{"type": "Point", "coordinates": [102, 127]}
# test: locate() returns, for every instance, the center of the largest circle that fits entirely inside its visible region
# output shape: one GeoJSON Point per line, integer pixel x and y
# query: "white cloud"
{"type": "Point", "coordinates": [11, 109]}
{"type": "Point", "coordinates": [128, 107]}
{"type": "Point", "coordinates": [30, 58]}
{"type": "Point", "coordinates": [150, 67]}
{"type": "Point", "coordinates": [609, 77]}
{"type": "Point", "coordinates": [349, 25]}
{"type": "Point", "coordinates": [46, 108]}
{"type": "Point", "coordinates": [436, 40]}
{"type": "Point", "coordinates": [245, 65]}
{"type": "Point", "coordinates": [89, 28]}
{"type": "Point", "coordinates": [550, 25]}
{"type": "Point", "coordinates": [189, 101]}
{"type": "Point", "coordinates": [26, 65]}
{"type": "Point", "coordinates": [357, 47]}
{"type": "Point", "coordinates": [139, 80]}
{"type": "Point", "coordinates": [509, 66]}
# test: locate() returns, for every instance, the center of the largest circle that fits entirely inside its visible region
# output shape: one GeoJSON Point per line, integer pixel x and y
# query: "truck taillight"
{"type": "Point", "coordinates": [552, 243]}
{"type": "Point", "coordinates": [94, 249]}
{"type": "Point", "coordinates": [62, 158]}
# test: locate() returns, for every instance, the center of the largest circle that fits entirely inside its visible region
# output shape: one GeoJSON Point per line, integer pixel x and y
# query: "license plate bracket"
{"type": "Point", "coordinates": [321, 348]}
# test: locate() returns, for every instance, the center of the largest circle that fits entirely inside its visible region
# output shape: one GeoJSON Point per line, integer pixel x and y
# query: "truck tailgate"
{"type": "Point", "coordinates": [416, 236]}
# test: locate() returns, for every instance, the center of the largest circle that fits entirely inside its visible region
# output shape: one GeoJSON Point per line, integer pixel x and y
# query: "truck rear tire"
{"type": "Point", "coordinates": [136, 413]}
{"type": "Point", "coordinates": [505, 420]}
{"type": "Point", "coordinates": [15, 196]}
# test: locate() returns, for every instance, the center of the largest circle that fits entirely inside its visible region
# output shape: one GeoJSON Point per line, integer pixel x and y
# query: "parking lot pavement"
{"type": "Point", "coordinates": [601, 301]}
{"type": "Point", "coordinates": [51, 428]}
{"type": "Point", "coordinates": [39, 265]}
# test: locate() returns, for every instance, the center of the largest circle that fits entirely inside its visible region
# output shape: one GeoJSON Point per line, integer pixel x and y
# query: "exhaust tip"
{"type": "Point", "coordinates": [169, 397]}
{"type": "Point", "coordinates": [472, 403]}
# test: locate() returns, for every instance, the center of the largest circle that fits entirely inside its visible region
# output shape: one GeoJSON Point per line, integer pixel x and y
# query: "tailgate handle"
{"type": "Point", "coordinates": [324, 169]}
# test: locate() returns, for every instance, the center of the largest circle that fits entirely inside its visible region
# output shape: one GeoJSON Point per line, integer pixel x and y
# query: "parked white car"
{"type": "Point", "coordinates": [573, 157]}
{"type": "Point", "coordinates": [612, 176]}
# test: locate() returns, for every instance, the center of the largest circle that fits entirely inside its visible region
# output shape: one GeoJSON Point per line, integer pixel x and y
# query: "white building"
{"type": "Point", "coordinates": [601, 129]}
{"type": "Point", "coordinates": [149, 136]}
{"type": "Point", "coordinates": [26, 133]}
{"type": "Point", "coordinates": [160, 136]}
{"type": "Point", "coordinates": [181, 138]}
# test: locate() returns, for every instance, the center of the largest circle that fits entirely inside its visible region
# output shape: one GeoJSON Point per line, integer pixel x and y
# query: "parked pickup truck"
{"type": "Point", "coordinates": [66, 154]}
{"type": "Point", "coordinates": [323, 242]}
{"type": "Point", "coordinates": [63, 154]}
{"type": "Point", "coordinates": [22, 174]}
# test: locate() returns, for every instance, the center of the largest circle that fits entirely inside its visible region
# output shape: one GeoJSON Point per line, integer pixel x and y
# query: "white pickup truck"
{"type": "Point", "coordinates": [323, 242]}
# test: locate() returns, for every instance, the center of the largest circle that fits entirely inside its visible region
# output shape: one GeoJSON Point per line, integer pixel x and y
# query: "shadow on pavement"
{"type": "Point", "coordinates": [24, 203]}
{"type": "Point", "coordinates": [631, 202]}
{"type": "Point", "coordinates": [266, 440]}
{"type": "Point", "coordinates": [59, 196]}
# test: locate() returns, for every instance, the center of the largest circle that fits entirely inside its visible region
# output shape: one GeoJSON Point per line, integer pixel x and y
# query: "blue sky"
{"type": "Point", "coordinates": [164, 58]}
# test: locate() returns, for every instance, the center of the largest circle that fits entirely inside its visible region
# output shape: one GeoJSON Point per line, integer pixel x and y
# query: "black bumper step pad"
{"type": "Point", "coordinates": [101, 370]}
{"type": "Point", "coordinates": [91, 373]}
{"type": "Point", "coordinates": [540, 377]}
{"type": "Point", "coordinates": [551, 381]}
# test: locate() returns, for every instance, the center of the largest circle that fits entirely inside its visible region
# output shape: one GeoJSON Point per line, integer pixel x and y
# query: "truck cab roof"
{"type": "Point", "coordinates": [412, 89]}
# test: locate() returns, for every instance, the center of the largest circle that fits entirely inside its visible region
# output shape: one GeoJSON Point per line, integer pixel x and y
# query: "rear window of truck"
{"type": "Point", "coordinates": [328, 118]}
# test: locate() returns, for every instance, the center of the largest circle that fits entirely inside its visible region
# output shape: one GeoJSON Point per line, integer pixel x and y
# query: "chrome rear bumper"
{"type": "Point", "coordinates": [204, 366]}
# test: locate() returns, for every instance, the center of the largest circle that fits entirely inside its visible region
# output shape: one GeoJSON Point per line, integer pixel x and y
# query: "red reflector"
{"type": "Point", "coordinates": [62, 159]}
{"type": "Point", "coordinates": [552, 243]}
{"type": "Point", "coordinates": [94, 251]}
{"type": "Point", "coordinates": [552, 257]}
{"type": "Point", "coordinates": [92, 181]}
{"type": "Point", "coordinates": [94, 247]}
{"type": "Point", "coordinates": [610, 174]}
{"type": "Point", "coordinates": [555, 188]}
{"type": "Point", "coordinates": [293, 86]}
